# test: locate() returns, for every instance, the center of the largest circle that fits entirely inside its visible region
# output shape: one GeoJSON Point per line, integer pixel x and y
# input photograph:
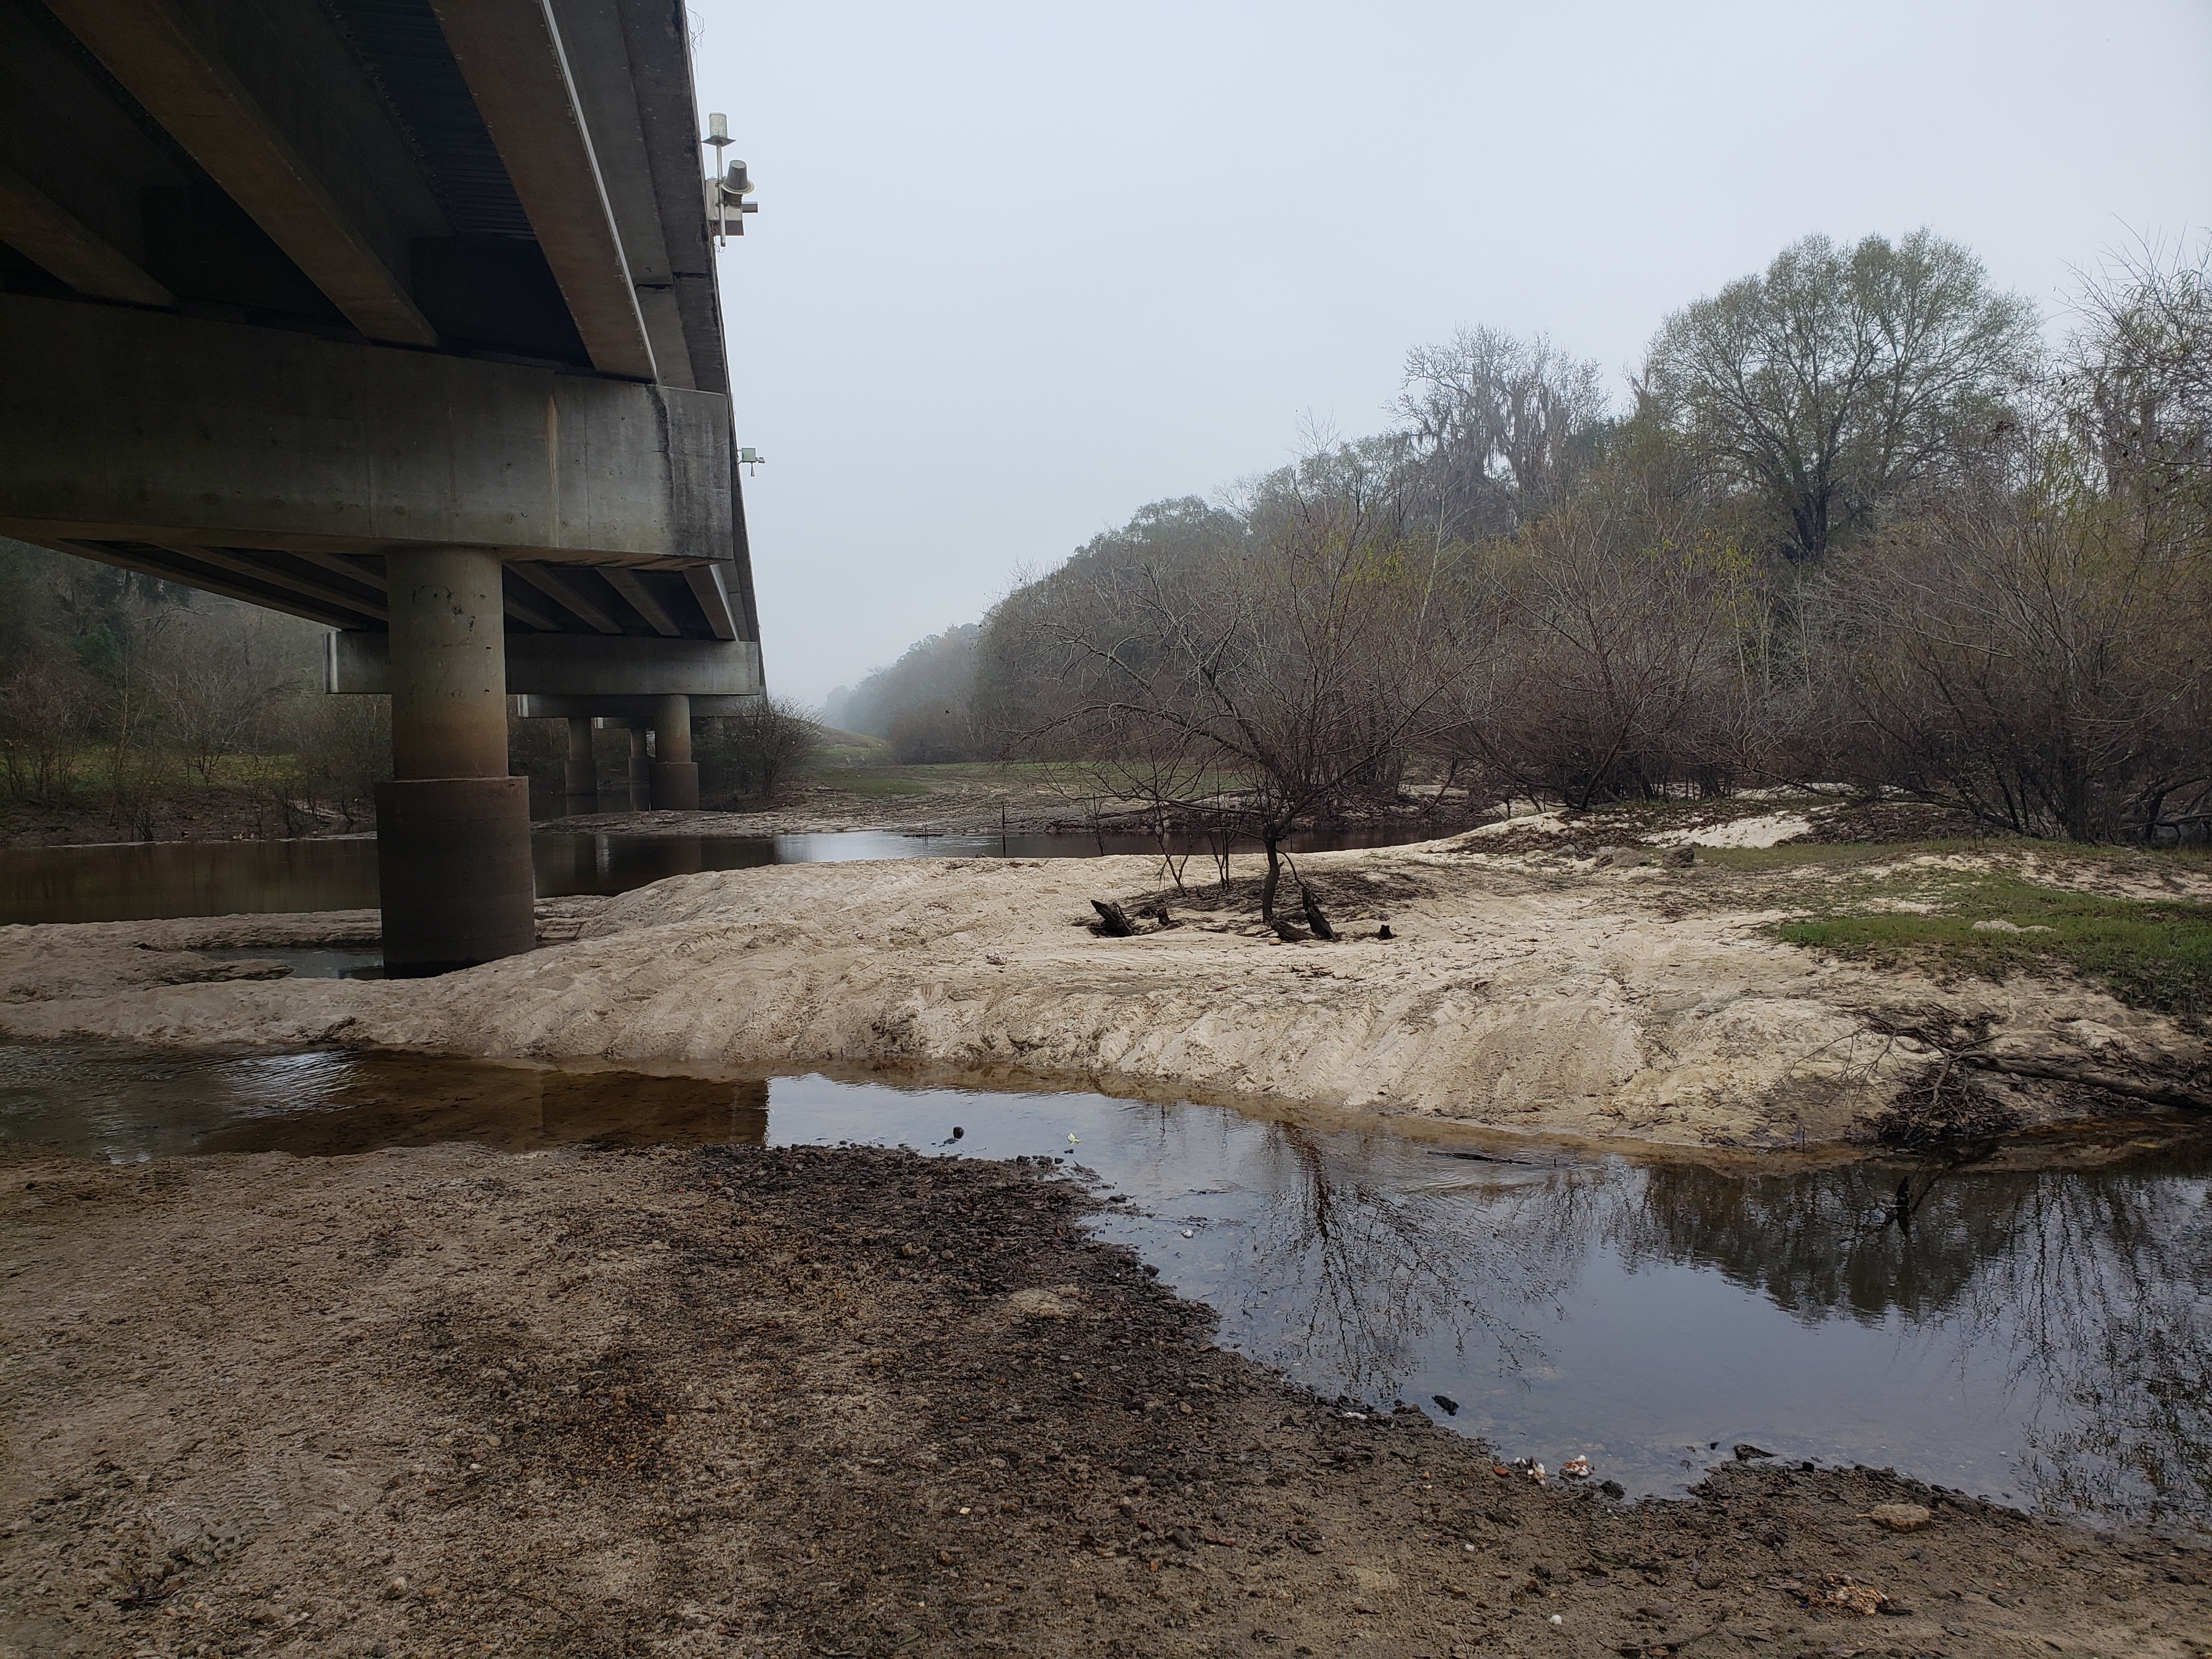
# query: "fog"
{"type": "Point", "coordinates": [1019, 270]}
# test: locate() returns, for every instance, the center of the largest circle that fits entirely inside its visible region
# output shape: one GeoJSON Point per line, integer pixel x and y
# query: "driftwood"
{"type": "Point", "coordinates": [1314, 919]}
{"type": "Point", "coordinates": [1113, 921]}
{"type": "Point", "coordinates": [2162, 1094]}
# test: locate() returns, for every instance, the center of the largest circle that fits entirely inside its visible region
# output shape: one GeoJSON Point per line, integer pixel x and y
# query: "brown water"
{"type": "Point", "coordinates": [2043, 1338]}
{"type": "Point", "coordinates": [141, 881]}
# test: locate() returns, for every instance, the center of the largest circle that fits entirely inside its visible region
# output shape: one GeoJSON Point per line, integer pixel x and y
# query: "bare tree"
{"type": "Point", "coordinates": [49, 701]}
{"type": "Point", "coordinates": [1302, 667]}
{"type": "Point", "coordinates": [1839, 376]}
{"type": "Point", "coordinates": [1508, 424]}
{"type": "Point", "coordinates": [1613, 649]}
{"type": "Point", "coordinates": [754, 753]}
{"type": "Point", "coordinates": [2135, 384]}
{"type": "Point", "coordinates": [219, 681]}
{"type": "Point", "coordinates": [2024, 651]}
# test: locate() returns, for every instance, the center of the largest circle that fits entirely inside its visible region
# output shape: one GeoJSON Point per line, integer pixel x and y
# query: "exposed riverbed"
{"type": "Point", "coordinates": [2005, 1339]}
{"type": "Point", "coordinates": [775, 1399]}
{"type": "Point", "coordinates": [1524, 991]}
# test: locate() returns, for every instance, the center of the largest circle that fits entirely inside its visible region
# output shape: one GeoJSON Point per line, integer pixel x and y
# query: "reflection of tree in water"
{"type": "Point", "coordinates": [1815, 1243]}
{"type": "Point", "coordinates": [2091, 1282]}
{"type": "Point", "coordinates": [1361, 1274]}
{"type": "Point", "coordinates": [2102, 1298]}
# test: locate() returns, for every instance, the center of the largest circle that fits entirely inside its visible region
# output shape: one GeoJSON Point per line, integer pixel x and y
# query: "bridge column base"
{"type": "Point", "coordinates": [452, 830]}
{"type": "Point", "coordinates": [452, 858]}
{"type": "Point", "coordinates": [583, 779]}
{"type": "Point", "coordinates": [675, 779]}
{"type": "Point", "coordinates": [641, 767]}
{"type": "Point", "coordinates": [675, 786]}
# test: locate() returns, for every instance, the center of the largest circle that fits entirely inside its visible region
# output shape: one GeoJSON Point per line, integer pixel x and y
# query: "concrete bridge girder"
{"type": "Point", "coordinates": [400, 315]}
{"type": "Point", "coordinates": [156, 429]}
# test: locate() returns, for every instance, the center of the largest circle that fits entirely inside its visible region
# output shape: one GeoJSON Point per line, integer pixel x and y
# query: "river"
{"type": "Point", "coordinates": [143, 881]}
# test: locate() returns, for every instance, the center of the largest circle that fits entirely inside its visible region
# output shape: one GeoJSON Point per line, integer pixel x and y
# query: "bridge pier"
{"type": "Point", "coordinates": [675, 775]}
{"type": "Point", "coordinates": [452, 845]}
{"type": "Point", "coordinates": [639, 768]}
{"type": "Point", "coordinates": [583, 779]}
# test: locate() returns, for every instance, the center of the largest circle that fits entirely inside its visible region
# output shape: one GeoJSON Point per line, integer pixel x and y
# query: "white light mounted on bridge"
{"type": "Point", "coordinates": [749, 459]}
{"type": "Point", "coordinates": [726, 194]}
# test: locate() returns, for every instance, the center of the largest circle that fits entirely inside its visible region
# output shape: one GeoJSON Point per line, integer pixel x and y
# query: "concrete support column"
{"type": "Point", "coordinates": [675, 777]}
{"type": "Point", "coordinates": [583, 766]}
{"type": "Point", "coordinates": [453, 844]}
{"type": "Point", "coordinates": [639, 800]}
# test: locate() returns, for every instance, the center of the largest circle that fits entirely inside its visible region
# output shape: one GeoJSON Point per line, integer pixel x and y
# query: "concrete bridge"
{"type": "Point", "coordinates": [400, 315]}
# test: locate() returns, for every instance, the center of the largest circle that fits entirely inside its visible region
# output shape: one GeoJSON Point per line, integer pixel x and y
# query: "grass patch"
{"type": "Point", "coordinates": [1837, 854]}
{"type": "Point", "coordinates": [2153, 953]}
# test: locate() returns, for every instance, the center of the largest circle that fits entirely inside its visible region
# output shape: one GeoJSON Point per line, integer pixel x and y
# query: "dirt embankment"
{"type": "Point", "coordinates": [734, 1401]}
{"type": "Point", "coordinates": [1525, 992]}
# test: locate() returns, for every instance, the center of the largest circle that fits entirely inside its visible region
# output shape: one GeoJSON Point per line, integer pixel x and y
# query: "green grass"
{"type": "Point", "coordinates": [1839, 855]}
{"type": "Point", "coordinates": [2153, 953]}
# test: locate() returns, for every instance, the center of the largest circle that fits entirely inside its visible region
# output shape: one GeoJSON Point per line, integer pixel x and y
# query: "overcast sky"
{"type": "Point", "coordinates": [1019, 270]}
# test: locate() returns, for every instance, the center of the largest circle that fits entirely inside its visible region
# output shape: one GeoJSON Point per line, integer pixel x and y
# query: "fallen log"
{"type": "Point", "coordinates": [2163, 1094]}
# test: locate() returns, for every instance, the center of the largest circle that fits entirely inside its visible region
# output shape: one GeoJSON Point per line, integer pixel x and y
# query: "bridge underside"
{"type": "Point", "coordinates": [398, 315]}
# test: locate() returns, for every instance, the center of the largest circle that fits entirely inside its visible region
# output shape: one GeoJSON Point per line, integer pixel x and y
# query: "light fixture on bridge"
{"type": "Point", "coordinates": [727, 191]}
{"type": "Point", "coordinates": [749, 459]}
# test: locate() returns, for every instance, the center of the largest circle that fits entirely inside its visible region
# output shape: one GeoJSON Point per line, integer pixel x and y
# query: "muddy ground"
{"type": "Point", "coordinates": [840, 1402]}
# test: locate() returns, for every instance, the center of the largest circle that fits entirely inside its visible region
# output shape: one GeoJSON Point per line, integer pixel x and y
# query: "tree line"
{"type": "Point", "coordinates": [148, 706]}
{"type": "Point", "coordinates": [135, 708]}
{"type": "Point", "coordinates": [1856, 521]}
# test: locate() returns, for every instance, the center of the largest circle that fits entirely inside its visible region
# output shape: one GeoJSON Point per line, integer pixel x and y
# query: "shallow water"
{"type": "Point", "coordinates": [144, 881]}
{"type": "Point", "coordinates": [2043, 1339]}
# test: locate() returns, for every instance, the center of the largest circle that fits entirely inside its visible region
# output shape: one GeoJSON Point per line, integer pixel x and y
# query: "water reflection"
{"type": "Point", "coordinates": [1365, 1270]}
{"type": "Point", "coordinates": [2089, 1288]}
{"type": "Point", "coordinates": [2040, 1336]}
{"type": "Point", "coordinates": [124, 1103]}
{"type": "Point", "coordinates": [144, 881]}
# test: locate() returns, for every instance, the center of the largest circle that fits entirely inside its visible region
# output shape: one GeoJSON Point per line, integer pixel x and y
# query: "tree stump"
{"type": "Point", "coordinates": [1113, 921]}
{"type": "Point", "coordinates": [1314, 919]}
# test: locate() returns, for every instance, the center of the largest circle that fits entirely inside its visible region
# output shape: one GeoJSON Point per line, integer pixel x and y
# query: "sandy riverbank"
{"type": "Point", "coordinates": [1521, 990]}
{"type": "Point", "coordinates": [732, 1400]}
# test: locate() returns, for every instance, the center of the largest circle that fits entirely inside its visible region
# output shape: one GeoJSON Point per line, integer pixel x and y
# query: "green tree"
{"type": "Point", "coordinates": [1840, 377]}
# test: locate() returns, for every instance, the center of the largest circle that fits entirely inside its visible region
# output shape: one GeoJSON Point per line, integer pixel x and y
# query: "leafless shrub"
{"type": "Point", "coordinates": [750, 756]}
{"type": "Point", "coordinates": [1611, 654]}
{"type": "Point", "coordinates": [2028, 647]}
{"type": "Point", "coordinates": [50, 702]}
{"type": "Point", "coordinates": [1260, 684]}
